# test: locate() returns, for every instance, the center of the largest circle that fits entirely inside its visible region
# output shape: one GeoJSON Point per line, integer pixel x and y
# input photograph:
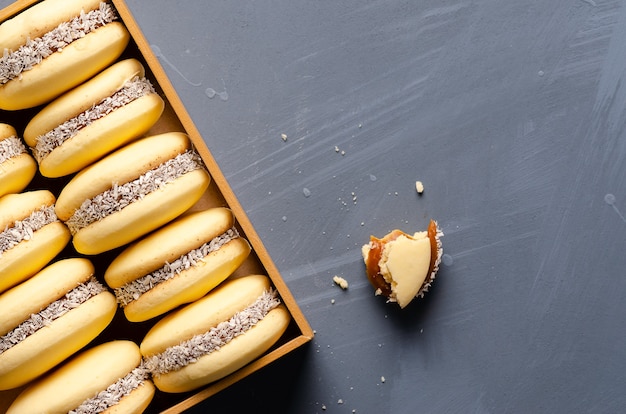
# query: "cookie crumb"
{"type": "Point", "coordinates": [419, 187]}
{"type": "Point", "coordinates": [341, 282]}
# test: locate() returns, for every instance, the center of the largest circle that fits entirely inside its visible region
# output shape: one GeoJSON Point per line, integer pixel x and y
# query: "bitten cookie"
{"type": "Point", "coordinates": [402, 267]}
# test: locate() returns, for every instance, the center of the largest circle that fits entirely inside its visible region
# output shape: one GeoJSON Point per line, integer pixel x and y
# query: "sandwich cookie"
{"type": "Point", "coordinates": [402, 267]}
{"type": "Point", "coordinates": [30, 235]}
{"type": "Point", "coordinates": [17, 166]}
{"type": "Point", "coordinates": [93, 119]}
{"type": "Point", "coordinates": [108, 378]}
{"type": "Point", "coordinates": [50, 317]}
{"type": "Point", "coordinates": [177, 264]}
{"type": "Point", "coordinates": [131, 192]}
{"type": "Point", "coordinates": [231, 326]}
{"type": "Point", "coordinates": [54, 46]}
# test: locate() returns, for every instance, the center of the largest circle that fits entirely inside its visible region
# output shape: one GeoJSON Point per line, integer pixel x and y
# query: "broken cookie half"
{"type": "Point", "coordinates": [402, 267]}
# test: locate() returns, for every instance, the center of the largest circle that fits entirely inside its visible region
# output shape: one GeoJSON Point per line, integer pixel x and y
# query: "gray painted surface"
{"type": "Point", "coordinates": [512, 113]}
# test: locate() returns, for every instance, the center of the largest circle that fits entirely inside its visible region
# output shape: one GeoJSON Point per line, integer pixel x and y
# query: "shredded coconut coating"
{"type": "Point", "coordinates": [74, 298]}
{"type": "Point", "coordinates": [188, 352]}
{"type": "Point", "coordinates": [13, 63]}
{"type": "Point", "coordinates": [133, 290]}
{"type": "Point", "coordinates": [25, 229]}
{"type": "Point", "coordinates": [114, 392]}
{"type": "Point", "coordinates": [120, 196]}
{"type": "Point", "coordinates": [431, 277]}
{"type": "Point", "coordinates": [130, 91]}
{"type": "Point", "coordinates": [11, 147]}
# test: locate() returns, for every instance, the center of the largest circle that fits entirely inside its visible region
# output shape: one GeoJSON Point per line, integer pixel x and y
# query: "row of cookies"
{"type": "Point", "coordinates": [121, 191]}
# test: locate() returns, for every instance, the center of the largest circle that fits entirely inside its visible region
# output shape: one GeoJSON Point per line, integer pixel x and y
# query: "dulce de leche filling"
{"type": "Point", "coordinates": [376, 250]}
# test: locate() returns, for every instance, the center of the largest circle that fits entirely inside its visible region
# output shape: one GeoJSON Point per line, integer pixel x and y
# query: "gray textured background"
{"type": "Point", "coordinates": [511, 112]}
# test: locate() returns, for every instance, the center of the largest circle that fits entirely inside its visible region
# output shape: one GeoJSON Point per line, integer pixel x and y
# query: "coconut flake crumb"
{"type": "Point", "coordinates": [13, 63]}
{"type": "Point", "coordinates": [431, 277]}
{"type": "Point", "coordinates": [74, 298]}
{"type": "Point", "coordinates": [283, 137]}
{"type": "Point", "coordinates": [134, 289]}
{"type": "Point", "coordinates": [23, 230]}
{"type": "Point", "coordinates": [341, 282]}
{"type": "Point", "coordinates": [189, 351]}
{"type": "Point", "coordinates": [114, 392]}
{"type": "Point", "coordinates": [120, 196]}
{"type": "Point", "coordinates": [419, 187]}
{"type": "Point", "coordinates": [11, 147]}
{"type": "Point", "coordinates": [130, 91]}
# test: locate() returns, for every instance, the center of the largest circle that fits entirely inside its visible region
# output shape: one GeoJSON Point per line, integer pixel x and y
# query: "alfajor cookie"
{"type": "Point", "coordinates": [132, 192]}
{"type": "Point", "coordinates": [17, 166]}
{"type": "Point", "coordinates": [54, 46]}
{"type": "Point", "coordinates": [177, 264]}
{"type": "Point", "coordinates": [31, 235]}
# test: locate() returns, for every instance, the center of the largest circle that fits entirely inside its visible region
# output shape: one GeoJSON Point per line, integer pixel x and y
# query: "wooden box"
{"type": "Point", "coordinates": [174, 118]}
